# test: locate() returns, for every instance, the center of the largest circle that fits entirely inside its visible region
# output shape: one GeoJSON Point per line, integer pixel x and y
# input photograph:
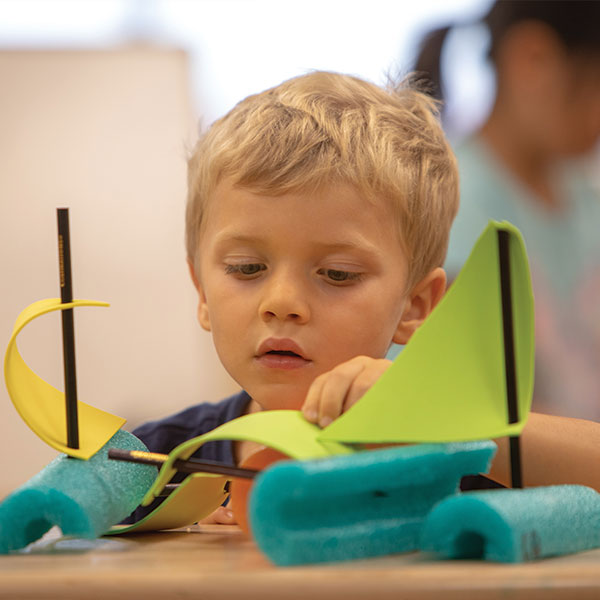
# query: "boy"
{"type": "Point", "coordinates": [317, 223]}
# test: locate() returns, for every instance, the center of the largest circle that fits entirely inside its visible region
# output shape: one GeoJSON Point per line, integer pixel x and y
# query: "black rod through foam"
{"type": "Point", "coordinates": [509, 355]}
{"type": "Point", "coordinates": [68, 327]}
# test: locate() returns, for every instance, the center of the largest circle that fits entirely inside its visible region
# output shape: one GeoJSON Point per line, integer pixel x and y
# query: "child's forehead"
{"type": "Point", "coordinates": [331, 205]}
{"type": "Point", "coordinates": [335, 215]}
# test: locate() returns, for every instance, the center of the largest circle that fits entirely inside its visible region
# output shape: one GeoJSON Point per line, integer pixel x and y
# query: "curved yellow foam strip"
{"type": "Point", "coordinates": [41, 405]}
{"type": "Point", "coordinates": [196, 497]}
{"type": "Point", "coordinates": [284, 430]}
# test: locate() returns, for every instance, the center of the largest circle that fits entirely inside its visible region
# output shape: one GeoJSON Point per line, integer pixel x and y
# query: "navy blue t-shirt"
{"type": "Point", "coordinates": [165, 434]}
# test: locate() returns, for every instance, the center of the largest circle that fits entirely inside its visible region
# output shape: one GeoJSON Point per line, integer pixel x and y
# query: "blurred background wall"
{"type": "Point", "coordinates": [99, 103]}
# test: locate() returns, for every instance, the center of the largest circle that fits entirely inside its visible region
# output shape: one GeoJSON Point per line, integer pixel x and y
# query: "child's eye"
{"type": "Point", "coordinates": [338, 276]}
{"type": "Point", "coordinates": [245, 270]}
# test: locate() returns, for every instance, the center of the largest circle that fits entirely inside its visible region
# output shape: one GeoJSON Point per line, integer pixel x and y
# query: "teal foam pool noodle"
{"type": "Point", "coordinates": [354, 506]}
{"type": "Point", "coordinates": [512, 526]}
{"type": "Point", "coordinates": [82, 497]}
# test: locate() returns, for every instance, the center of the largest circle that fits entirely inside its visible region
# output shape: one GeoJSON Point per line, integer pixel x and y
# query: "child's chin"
{"type": "Point", "coordinates": [280, 403]}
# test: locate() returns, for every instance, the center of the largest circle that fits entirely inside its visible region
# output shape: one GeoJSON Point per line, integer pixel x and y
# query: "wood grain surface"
{"type": "Point", "coordinates": [220, 562]}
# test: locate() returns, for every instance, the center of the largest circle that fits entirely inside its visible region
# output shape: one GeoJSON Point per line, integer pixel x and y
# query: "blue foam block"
{"type": "Point", "coordinates": [82, 497]}
{"type": "Point", "coordinates": [353, 506]}
{"type": "Point", "coordinates": [514, 525]}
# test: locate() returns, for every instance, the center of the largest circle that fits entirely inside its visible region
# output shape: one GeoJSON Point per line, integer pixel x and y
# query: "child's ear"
{"type": "Point", "coordinates": [203, 316]}
{"type": "Point", "coordinates": [420, 302]}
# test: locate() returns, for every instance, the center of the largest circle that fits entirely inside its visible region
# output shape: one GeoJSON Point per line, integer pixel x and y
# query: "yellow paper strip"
{"type": "Point", "coordinates": [41, 405]}
{"type": "Point", "coordinates": [195, 498]}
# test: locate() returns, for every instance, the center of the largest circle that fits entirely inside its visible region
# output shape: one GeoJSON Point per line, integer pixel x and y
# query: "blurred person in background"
{"type": "Point", "coordinates": [522, 166]}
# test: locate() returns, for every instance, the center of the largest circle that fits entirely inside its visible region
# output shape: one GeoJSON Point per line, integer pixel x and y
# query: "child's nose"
{"type": "Point", "coordinates": [285, 298]}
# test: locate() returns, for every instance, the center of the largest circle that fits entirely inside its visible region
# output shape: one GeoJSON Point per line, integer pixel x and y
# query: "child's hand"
{"type": "Point", "coordinates": [334, 392]}
{"type": "Point", "coordinates": [221, 516]}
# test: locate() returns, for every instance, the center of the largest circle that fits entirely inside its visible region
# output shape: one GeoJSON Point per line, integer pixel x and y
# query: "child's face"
{"type": "Point", "coordinates": [293, 285]}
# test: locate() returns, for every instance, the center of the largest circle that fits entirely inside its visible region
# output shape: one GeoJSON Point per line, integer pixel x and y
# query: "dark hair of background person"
{"type": "Point", "coordinates": [576, 23]}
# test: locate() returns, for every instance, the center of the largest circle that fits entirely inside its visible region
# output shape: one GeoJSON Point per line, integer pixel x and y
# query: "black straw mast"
{"type": "Point", "coordinates": [68, 328]}
{"type": "Point", "coordinates": [509, 355]}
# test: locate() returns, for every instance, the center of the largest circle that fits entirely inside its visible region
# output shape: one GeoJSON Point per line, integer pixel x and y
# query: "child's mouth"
{"type": "Point", "coordinates": [282, 359]}
{"type": "Point", "coordinates": [281, 353]}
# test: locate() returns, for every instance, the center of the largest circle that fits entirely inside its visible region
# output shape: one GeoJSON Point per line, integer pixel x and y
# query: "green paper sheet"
{"type": "Point", "coordinates": [448, 384]}
{"type": "Point", "coordinates": [284, 430]}
{"type": "Point", "coordinates": [41, 405]}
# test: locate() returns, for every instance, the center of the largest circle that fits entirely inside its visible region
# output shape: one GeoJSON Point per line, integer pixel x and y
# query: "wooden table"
{"type": "Point", "coordinates": [218, 561]}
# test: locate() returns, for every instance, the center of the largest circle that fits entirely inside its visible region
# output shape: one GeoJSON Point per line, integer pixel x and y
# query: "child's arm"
{"type": "Point", "coordinates": [555, 450]}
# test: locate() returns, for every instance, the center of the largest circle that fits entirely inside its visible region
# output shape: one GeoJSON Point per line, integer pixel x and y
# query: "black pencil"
{"type": "Point", "coordinates": [68, 328]}
{"type": "Point", "coordinates": [191, 465]}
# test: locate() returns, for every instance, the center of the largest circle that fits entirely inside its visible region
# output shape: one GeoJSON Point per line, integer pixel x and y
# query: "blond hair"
{"type": "Point", "coordinates": [326, 128]}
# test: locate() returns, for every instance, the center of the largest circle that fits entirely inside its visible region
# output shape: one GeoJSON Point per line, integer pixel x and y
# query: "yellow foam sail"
{"type": "Point", "coordinates": [449, 382]}
{"type": "Point", "coordinates": [41, 405]}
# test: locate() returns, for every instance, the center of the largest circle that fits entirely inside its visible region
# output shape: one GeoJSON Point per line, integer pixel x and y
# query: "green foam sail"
{"type": "Point", "coordinates": [449, 383]}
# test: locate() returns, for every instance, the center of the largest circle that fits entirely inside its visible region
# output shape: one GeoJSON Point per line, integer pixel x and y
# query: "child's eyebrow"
{"type": "Point", "coordinates": [227, 237]}
{"type": "Point", "coordinates": [353, 244]}
{"type": "Point", "coordinates": [358, 244]}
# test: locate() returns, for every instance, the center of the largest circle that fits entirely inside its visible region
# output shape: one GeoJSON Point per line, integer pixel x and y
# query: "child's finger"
{"type": "Point", "coordinates": [310, 408]}
{"type": "Point", "coordinates": [335, 388]}
{"type": "Point", "coordinates": [365, 380]}
{"type": "Point", "coordinates": [332, 393]}
{"type": "Point", "coordinates": [221, 516]}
